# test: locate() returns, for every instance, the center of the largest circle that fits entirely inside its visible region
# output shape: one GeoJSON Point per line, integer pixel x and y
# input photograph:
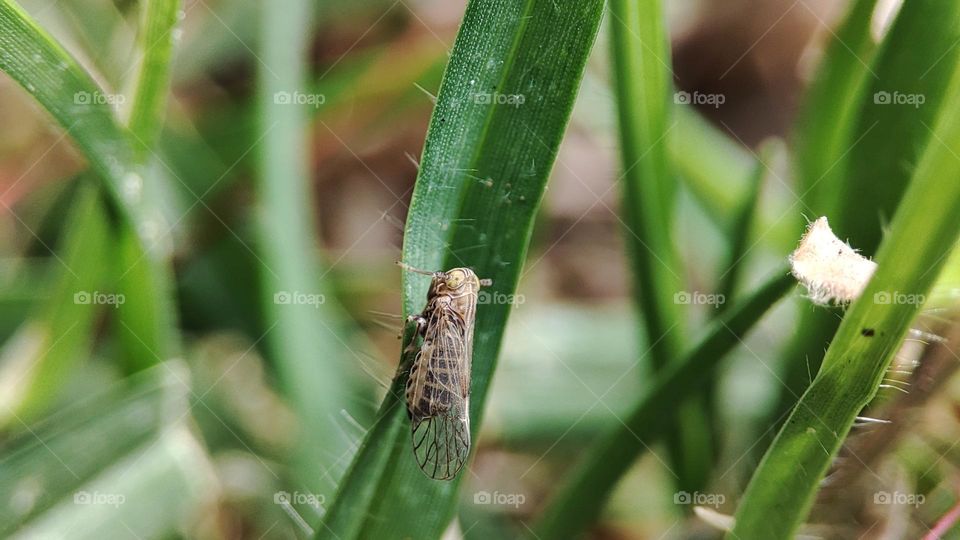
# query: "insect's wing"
{"type": "Point", "coordinates": [441, 443]}
{"type": "Point", "coordinates": [437, 397]}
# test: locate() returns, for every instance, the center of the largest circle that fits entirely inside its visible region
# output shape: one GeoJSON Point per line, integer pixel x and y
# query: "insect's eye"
{"type": "Point", "coordinates": [455, 279]}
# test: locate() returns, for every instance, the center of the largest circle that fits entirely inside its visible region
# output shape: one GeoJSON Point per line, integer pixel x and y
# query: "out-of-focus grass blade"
{"type": "Point", "coordinates": [717, 170]}
{"type": "Point", "coordinates": [37, 359]}
{"type": "Point", "coordinates": [741, 228]}
{"type": "Point", "coordinates": [714, 167]}
{"type": "Point", "coordinates": [642, 81]}
{"type": "Point", "coordinates": [483, 172]}
{"type": "Point", "coordinates": [43, 468]}
{"type": "Point", "coordinates": [580, 499]}
{"type": "Point", "coordinates": [303, 332]}
{"type": "Point", "coordinates": [146, 495]}
{"type": "Point", "coordinates": [157, 30]}
{"type": "Point", "coordinates": [832, 107]}
{"type": "Point", "coordinates": [923, 232]}
{"type": "Point", "coordinates": [59, 84]}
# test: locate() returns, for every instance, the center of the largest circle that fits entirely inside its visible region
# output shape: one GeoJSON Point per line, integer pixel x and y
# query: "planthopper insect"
{"type": "Point", "coordinates": [438, 388]}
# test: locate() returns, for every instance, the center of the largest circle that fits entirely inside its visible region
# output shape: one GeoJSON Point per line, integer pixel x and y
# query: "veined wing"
{"type": "Point", "coordinates": [437, 396]}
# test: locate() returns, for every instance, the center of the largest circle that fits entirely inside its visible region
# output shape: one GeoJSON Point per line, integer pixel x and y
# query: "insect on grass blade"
{"type": "Point", "coordinates": [438, 388]}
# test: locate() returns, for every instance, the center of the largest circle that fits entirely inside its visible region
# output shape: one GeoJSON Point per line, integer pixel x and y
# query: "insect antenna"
{"type": "Point", "coordinates": [406, 266]}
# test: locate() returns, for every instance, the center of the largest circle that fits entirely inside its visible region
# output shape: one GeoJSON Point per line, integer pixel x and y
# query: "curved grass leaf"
{"type": "Point", "coordinates": [484, 168]}
{"type": "Point", "coordinates": [742, 227]}
{"type": "Point", "coordinates": [579, 501]}
{"type": "Point", "coordinates": [921, 237]}
{"type": "Point", "coordinates": [714, 167]}
{"type": "Point", "coordinates": [66, 91]}
{"type": "Point", "coordinates": [69, 94]}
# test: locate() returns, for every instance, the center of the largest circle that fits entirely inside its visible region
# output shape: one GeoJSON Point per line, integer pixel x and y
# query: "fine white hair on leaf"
{"type": "Point", "coordinates": [831, 270]}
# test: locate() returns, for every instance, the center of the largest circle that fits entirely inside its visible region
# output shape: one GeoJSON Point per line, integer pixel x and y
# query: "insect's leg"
{"type": "Point", "coordinates": [421, 330]}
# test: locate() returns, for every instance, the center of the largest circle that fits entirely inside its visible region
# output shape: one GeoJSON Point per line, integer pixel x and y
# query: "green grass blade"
{"type": "Point", "coordinates": [38, 358]}
{"type": "Point", "coordinates": [483, 171]}
{"type": "Point", "coordinates": [642, 82]}
{"type": "Point", "coordinates": [579, 501]}
{"type": "Point", "coordinates": [832, 106]}
{"type": "Point", "coordinates": [917, 60]}
{"type": "Point", "coordinates": [921, 236]}
{"type": "Point", "coordinates": [301, 329]}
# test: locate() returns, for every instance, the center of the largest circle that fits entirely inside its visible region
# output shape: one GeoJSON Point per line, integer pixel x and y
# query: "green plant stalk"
{"type": "Point", "coordinates": [158, 27]}
{"type": "Point", "coordinates": [920, 239]}
{"type": "Point", "coordinates": [641, 59]}
{"type": "Point", "coordinates": [482, 176]}
{"type": "Point", "coordinates": [147, 322]}
{"type": "Point", "coordinates": [579, 501]}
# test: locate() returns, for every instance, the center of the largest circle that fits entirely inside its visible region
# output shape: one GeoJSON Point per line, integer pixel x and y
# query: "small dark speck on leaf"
{"type": "Point", "coordinates": [867, 332]}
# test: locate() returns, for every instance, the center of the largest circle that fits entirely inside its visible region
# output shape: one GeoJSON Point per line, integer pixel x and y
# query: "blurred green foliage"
{"type": "Point", "coordinates": [199, 306]}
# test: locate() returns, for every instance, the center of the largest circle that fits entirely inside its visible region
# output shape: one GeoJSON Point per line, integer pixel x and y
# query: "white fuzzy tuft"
{"type": "Point", "coordinates": [831, 270]}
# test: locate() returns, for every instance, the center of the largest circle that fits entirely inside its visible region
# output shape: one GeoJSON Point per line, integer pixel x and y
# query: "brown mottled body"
{"type": "Point", "coordinates": [438, 388]}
